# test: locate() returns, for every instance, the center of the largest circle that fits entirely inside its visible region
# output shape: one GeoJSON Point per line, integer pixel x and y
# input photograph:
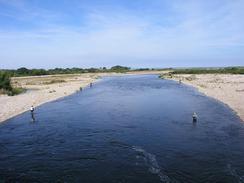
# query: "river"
{"type": "Point", "coordinates": [125, 129]}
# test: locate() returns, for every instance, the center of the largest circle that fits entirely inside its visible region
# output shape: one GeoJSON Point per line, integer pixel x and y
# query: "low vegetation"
{"type": "Point", "coordinates": [54, 81]}
{"type": "Point", "coordinates": [119, 68]}
{"type": "Point", "coordinates": [226, 70]}
{"type": "Point", "coordinates": [21, 72]}
{"type": "Point", "coordinates": [6, 87]}
{"type": "Point", "coordinates": [5, 83]}
{"type": "Point", "coordinates": [37, 72]}
{"type": "Point", "coordinates": [16, 91]}
{"type": "Point", "coordinates": [192, 71]}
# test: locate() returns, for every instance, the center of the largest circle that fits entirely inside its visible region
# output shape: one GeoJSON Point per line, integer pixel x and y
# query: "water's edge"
{"type": "Point", "coordinates": [124, 75]}
{"type": "Point", "coordinates": [209, 96]}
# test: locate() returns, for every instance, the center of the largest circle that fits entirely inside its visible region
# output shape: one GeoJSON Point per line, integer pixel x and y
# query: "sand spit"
{"type": "Point", "coordinates": [226, 88]}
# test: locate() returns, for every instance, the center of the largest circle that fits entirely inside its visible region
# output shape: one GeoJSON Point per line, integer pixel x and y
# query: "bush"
{"type": "Point", "coordinates": [119, 68]}
{"type": "Point", "coordinates": [16, 91]}
{"type": "Point", "coordinates": [5, 83]}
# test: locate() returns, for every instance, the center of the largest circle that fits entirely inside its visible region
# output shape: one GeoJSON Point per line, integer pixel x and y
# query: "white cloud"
{"type": "Point", "coordinates": [201, 30]}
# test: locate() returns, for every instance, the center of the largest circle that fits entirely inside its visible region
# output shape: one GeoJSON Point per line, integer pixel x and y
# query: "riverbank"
{"type": "Point", "coordinates": [42, 89]}
{"type": "Point", "coordinates": [226, 88]}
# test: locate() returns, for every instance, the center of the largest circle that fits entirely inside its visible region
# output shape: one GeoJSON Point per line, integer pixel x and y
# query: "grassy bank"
{"type": "Point", "coordinates": [226, 70]}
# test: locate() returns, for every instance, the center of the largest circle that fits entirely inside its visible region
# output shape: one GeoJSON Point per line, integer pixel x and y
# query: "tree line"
{"type": "Point", "coordinates": [37, 72]}
{"type": "Point", "coordinates": [6, 74]}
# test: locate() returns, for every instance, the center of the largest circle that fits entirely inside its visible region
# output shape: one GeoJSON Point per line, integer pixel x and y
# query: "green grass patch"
{"type": "Point", "coordinates": [54, 81]}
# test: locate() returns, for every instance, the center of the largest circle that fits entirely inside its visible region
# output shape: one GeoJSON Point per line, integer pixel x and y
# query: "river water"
{"type": "Point", "coordinates": [125, 129]}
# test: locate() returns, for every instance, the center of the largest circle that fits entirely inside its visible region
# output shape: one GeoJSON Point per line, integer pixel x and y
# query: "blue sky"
{"type": "Point", "coordinates": [135, 33]}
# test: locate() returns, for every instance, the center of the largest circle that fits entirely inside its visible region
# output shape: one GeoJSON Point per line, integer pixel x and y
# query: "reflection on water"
{"type": "Point", "coordinates": [125, 129]}
{"type": "Point", "coordinates": [33, 117]}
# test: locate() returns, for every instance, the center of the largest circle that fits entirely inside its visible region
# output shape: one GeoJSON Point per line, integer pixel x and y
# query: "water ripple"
{"type": "Point", "coordinates": [151, 162]}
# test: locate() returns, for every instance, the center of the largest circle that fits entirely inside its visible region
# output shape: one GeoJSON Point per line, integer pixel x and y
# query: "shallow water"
{"type": "Point", "coordinates": [125, 129]}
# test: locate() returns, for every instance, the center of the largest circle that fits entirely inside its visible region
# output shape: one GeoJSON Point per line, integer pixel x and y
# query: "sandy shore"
{"type": "Point", "coordinates": [226, 88]}
{"type": "Point", "coordinates": [42, 89]}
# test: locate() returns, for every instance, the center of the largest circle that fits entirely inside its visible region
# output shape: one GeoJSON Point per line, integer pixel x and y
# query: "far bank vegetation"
{"type": "Point", "coordinates": [225, 70]}
{"type": "Point", "coordinates": [193, 71]}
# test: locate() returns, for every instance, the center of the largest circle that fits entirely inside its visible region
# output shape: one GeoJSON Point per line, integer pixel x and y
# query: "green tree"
{"type": "Point", "coordinates": [119, 68]}
{"type": "Point", "coordinates": [22, 71]}
{"type": "Point", "coordinates": [5, 83]}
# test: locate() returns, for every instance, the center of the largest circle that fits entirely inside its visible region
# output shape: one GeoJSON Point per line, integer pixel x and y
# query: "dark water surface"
{"type": "Point", "coordinates": [125, 129]}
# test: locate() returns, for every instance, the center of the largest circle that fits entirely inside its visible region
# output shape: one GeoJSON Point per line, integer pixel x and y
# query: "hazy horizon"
{"type": "Point", "coordinates": [139, 34]}
{"type": "Point", "coordinates": [131, 68]}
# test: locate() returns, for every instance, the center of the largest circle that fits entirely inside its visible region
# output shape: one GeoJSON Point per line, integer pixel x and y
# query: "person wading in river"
{"type": "Point", "coordinates": [32, 113]}
{"type": "Point", "coordinates": [32, 109]}
{"type": "Point", "coordinates": [194, 117]}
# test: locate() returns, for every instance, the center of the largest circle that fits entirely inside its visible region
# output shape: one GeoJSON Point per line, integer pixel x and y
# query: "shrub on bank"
{"type": "Point", "coordinates": [16, 91]}
{"type": "Point", "coordinates": [5, 85]}
{"type": "Point", "coordinates": [5, 81]}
